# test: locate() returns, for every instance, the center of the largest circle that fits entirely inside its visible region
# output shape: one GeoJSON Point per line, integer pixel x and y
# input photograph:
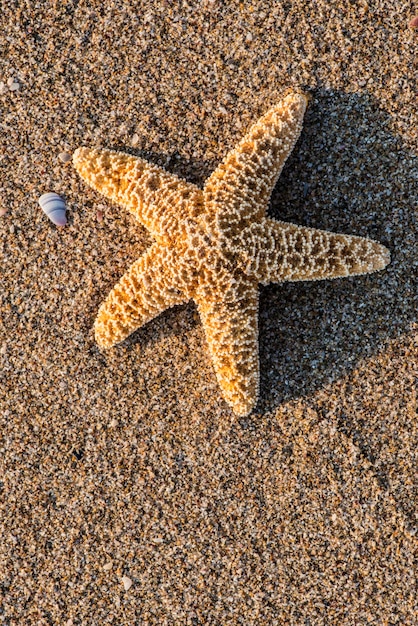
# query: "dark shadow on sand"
{"type": "Point", "coordinates": [313, 333]}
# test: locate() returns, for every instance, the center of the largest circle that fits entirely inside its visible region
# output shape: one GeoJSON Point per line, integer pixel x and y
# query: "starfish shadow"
{"type": "Point", "coordinates": [313, 333]}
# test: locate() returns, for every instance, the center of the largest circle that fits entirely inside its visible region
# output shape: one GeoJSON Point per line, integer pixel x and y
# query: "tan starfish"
{"type": "Point", "coordinates": [215, 245]}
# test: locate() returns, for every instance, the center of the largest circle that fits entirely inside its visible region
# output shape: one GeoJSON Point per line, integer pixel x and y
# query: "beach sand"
{"type": "Point", "coordinates": [129, 492]}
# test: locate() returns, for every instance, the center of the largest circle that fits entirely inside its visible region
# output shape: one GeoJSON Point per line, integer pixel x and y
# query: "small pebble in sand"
{"type": "Point", "coordinates": [113, 423]}
{"type": "Point", "coordinates": [99, 215]}
{"type": "Point", "coordinates": [12, 230]}
{"type": "Point", "coordinates": [13, 84]}
{"type": "Point", "coordinates": [3, 88]}
{"type": "Point", "coordinates": [127, 583]}
{"type": "Point", "coordinates": [135, 140]}
{"type": "Point", "coordinates": [3, 211]}
{"type": "Point", "coordinates": [414, 22]}
{"type": "Point", "coordinates": [108, 566]}
{"type": "Point", "coordinates": [65, 157]}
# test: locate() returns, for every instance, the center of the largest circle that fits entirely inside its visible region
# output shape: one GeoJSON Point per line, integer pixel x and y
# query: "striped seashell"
{"type": "Point", "coordinates": [54, 207]}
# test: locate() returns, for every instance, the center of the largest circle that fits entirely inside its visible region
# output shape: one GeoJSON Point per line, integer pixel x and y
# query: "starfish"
{"type": "Point", "coordinates": [215, 245]}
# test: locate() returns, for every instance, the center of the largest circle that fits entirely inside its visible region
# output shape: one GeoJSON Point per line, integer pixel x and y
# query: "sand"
{"type": "Point", "coordinates": [130, 493]}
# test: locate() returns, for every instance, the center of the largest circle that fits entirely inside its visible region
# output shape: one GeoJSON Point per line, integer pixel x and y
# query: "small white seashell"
{"type": "Point", "coordinates": [54, 207]}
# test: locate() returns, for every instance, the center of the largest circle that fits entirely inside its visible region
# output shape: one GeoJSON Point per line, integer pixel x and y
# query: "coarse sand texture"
{"type": "Point", "coordinates": [248, 456]}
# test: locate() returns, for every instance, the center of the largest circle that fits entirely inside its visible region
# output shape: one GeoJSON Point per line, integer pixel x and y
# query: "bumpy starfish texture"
{"type": "Point", "coordinates": [215, 245]}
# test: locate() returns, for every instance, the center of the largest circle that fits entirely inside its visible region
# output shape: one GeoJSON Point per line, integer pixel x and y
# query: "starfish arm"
{"type": "Point", "coordinates": [231, 328]}
{"type": "Point", "coordinates": [238, 191]}
{"type": "Point", "coordinates": [159, 200]}
{"type": "Point", "coordinates": [144, 291]}
{"type": "Point", "coordinates": [278, 251]}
